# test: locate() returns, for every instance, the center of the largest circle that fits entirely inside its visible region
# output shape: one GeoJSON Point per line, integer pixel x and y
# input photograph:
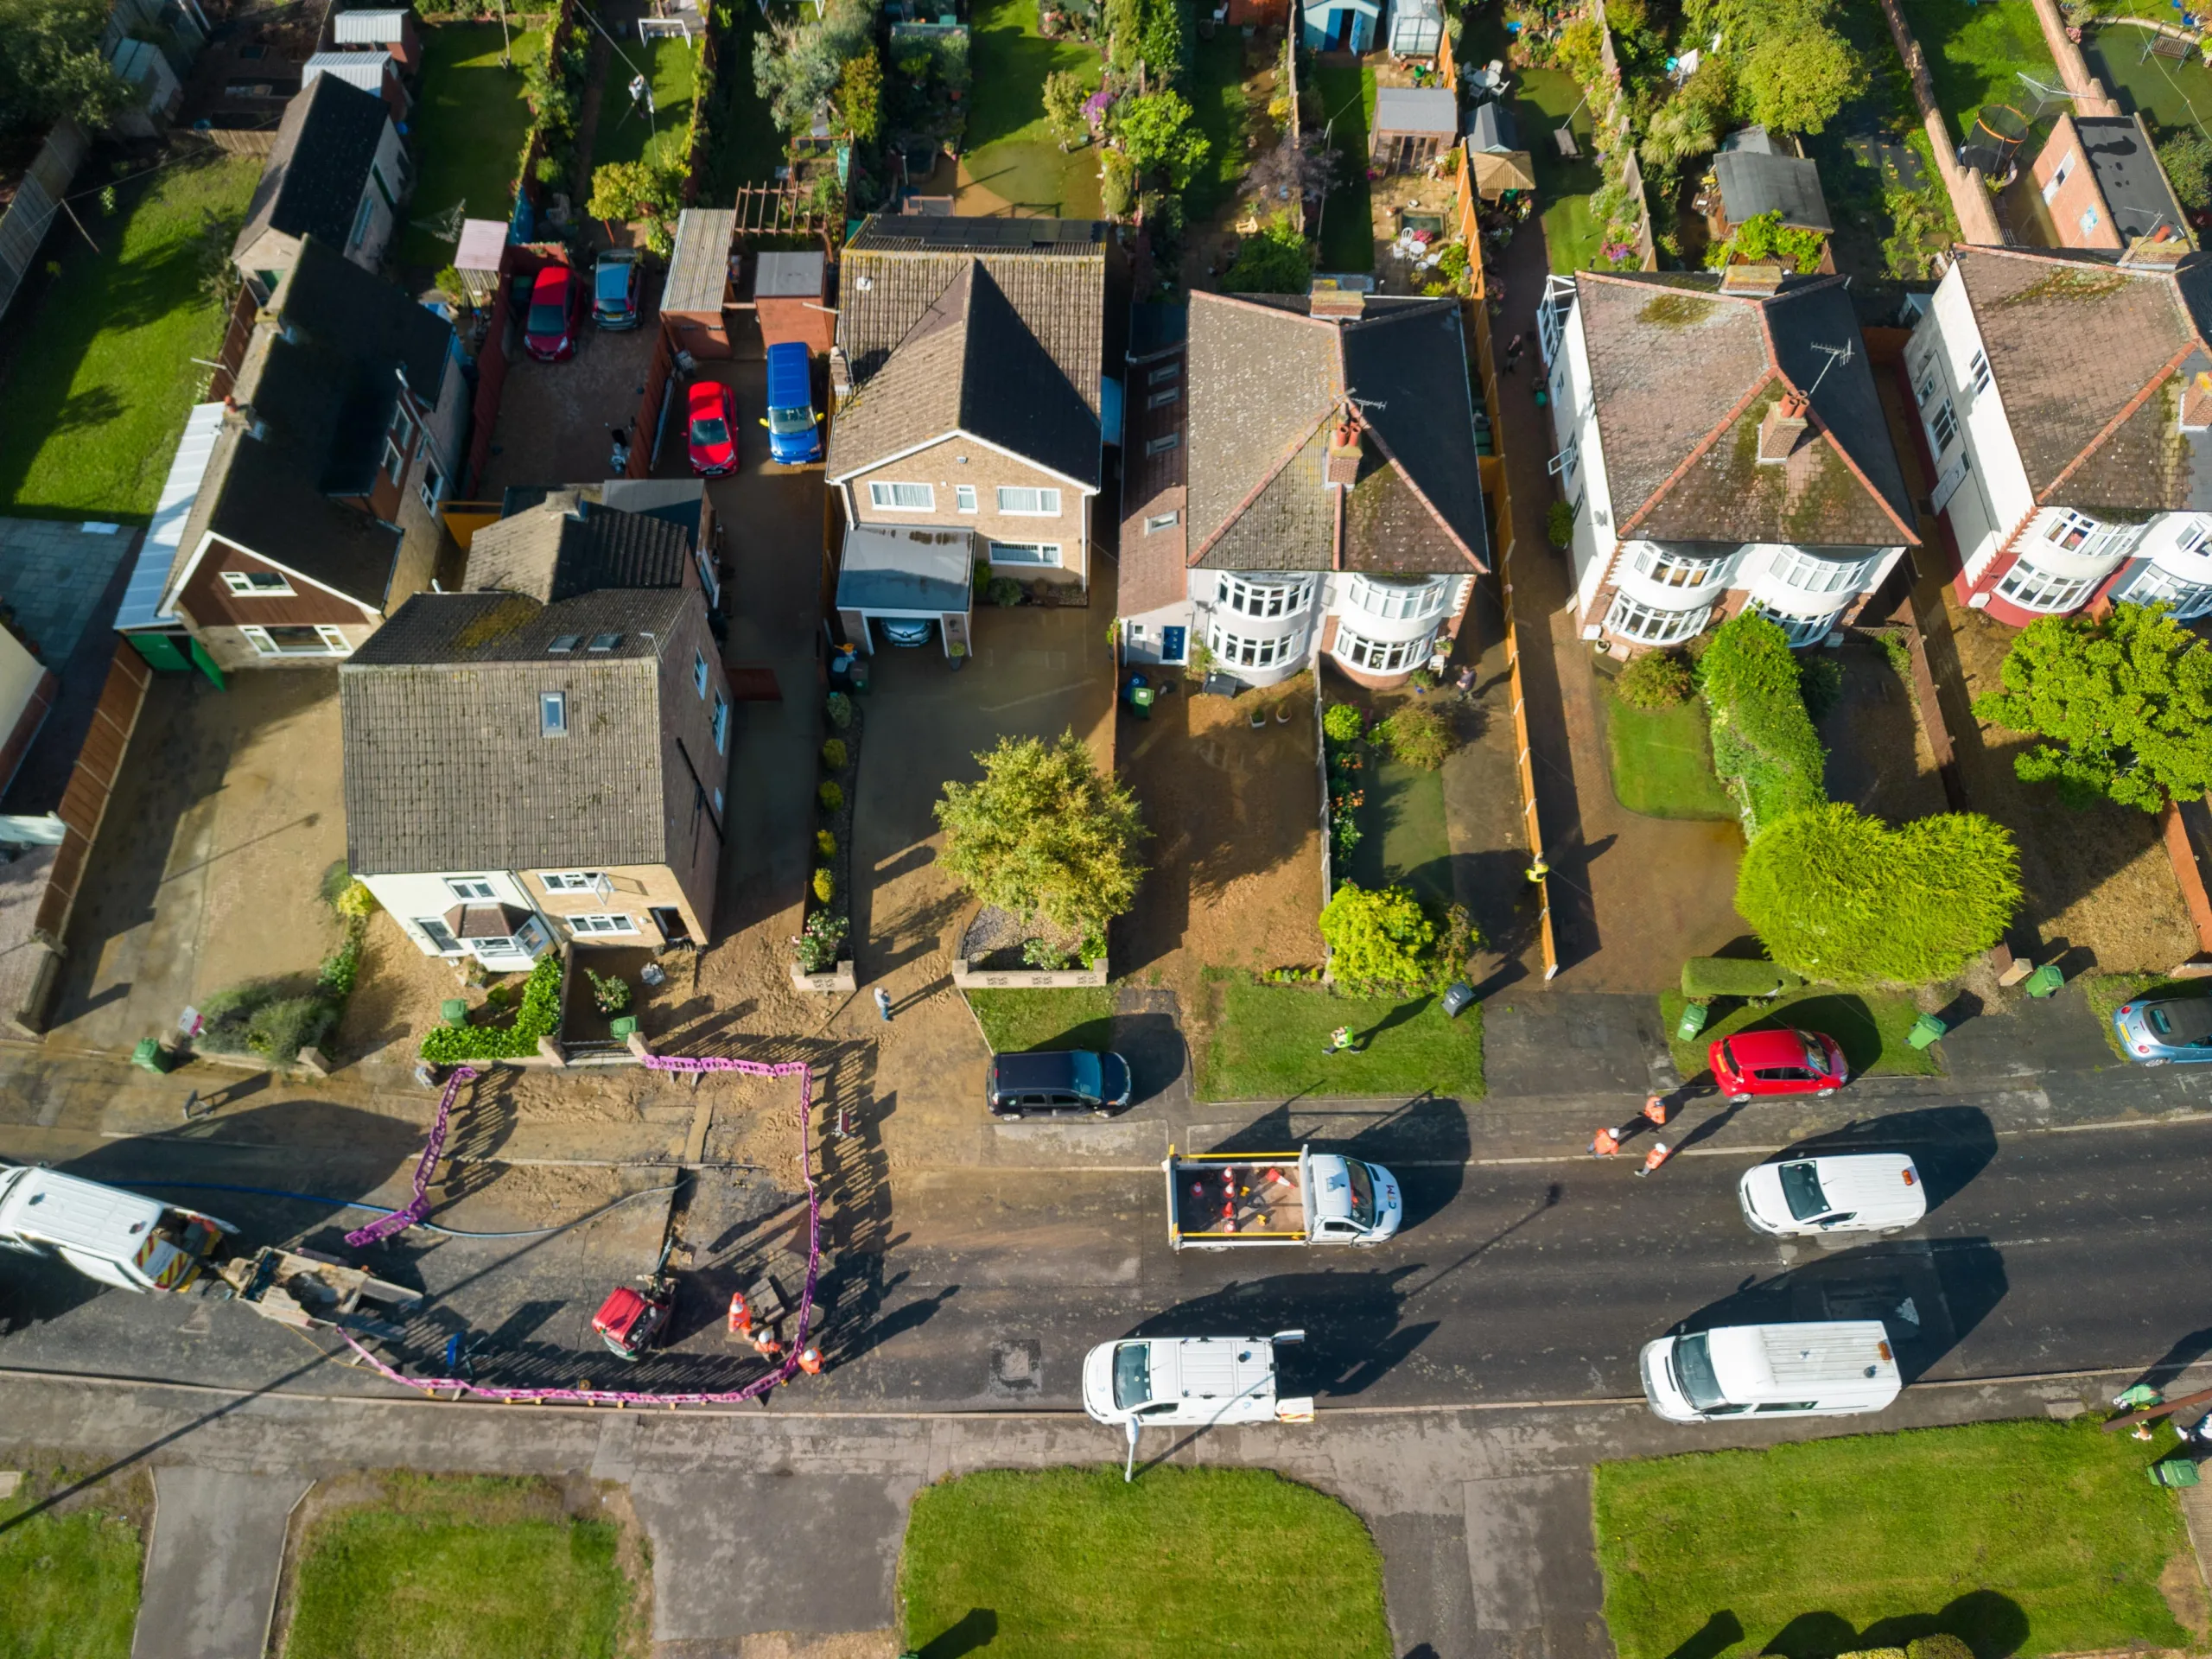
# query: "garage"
{"type": "Point", "coordinates": [907, 588]}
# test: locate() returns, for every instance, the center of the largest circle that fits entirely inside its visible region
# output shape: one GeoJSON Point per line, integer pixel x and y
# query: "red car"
{"type": "Point", "coordinates": [557, 313]}
{"type": "Point", "coordinates": [713, 428]}
{"type": "Point", "coordinates": [1777, 1062]}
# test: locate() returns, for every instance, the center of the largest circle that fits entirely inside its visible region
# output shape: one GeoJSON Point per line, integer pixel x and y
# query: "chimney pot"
{"type": "Point", "coordinates": [1342, 469]}
{"type": "Point", "coordinates": [1784, 424]}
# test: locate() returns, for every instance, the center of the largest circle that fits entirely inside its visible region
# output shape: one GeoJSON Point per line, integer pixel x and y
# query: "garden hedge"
{"type": "Point", "coordinates": [539, 1015]}
{"type": "Point", "coordinates": [1706, 977]}
{"type": "Point", "coordinates": [1764, 744]}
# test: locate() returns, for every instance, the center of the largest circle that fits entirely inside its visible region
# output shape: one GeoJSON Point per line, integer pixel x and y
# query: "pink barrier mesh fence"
{"type": "Point", "coordinates": [751, 1390]}
{"type": "Point", "coordinates": [419, 1206]}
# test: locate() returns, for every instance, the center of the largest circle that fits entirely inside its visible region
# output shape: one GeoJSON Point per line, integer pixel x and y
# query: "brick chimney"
{"type": "Point", "coordinates": [1342, 469]}
{"type": "Point", "coordinates": [1750, 279]}
{"type": "Point", "coordinates": [2196, 401]}
{"type": "Point", "coordinates": [1325, 299]}
{"type": "Point", "coordinates": [1783, 425]}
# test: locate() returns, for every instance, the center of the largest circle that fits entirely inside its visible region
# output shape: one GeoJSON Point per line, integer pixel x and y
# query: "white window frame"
{"type": "Point", "coordinates": [1800, 631]}
{"type": "Point", "coordinates": [1943, 428]}
{"type": "Point", "coordinates": [2154, 585]}
{"type": "Point", "coordinates": [1047, 554]}
{"type": "Point", "coordinates": [1399, 601]}
{"type": "Point", "coordinates": [2066, 521]}
{"type": "Point", "coordinates": [2194, 537]}
{"type": "Point", "coordinates": [2047, 594]}
{"type": "Point", "coordinates": [553, 714]}
{"type": "Point", "coordinates": [1238, 651]}
{"type": "Point", "coordinates": [252, 584]}
{"type": "Point", "coordinates": [1666, 568]}
{"type": "Point", "coordinates": [963, 497]}
{"type": "Point", "coordinates": [1265, 600]}
{"type": "Point", "coordinates": [1978, 370]}
{"type": "Point", "coordinates": [1929, 380]}
{"type": "Point", "coordinates": [264, 644]}
{"type": "Point", "coordinates": [472, 889]}
{"type": "Point", "coordinates": [362, 215]}
{"type": "Point", "coordinates": [2057, 180]}
{"type": "Point", "coordinates": [2109, 539]}
{"type": "Point", "coordinates": [720, 722]}
{"type": "Point", "coordinates": [884, 498]}
{"type": "Point", "coordinates": [433, 486]}
{"type": "Point", "coordinates": [395, 459]}
{"type": "Point", "coordinates": [424, 924]}
{"type": "Point", "coordinates": [1629, 618]}
{"type": "Point", "coordinates": [1810, 574]}
{"type": "Point", "coordinates": [569, 880]}
{"type": "Point", "coordinates": [1380, 656]}
{"type": "Point", "coordinates": [599, 924]}
{"type": "Point", "coordinates": [1047, 501]}
{"type": "Point", "coordinates": [1161, 521]}
{"type": "Point", "coordinates": [699, 672]}
{"type": "Point", "coordinates": [1562, 465]}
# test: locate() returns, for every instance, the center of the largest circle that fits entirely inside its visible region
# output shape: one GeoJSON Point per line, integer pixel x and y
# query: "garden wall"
{"type": "Point", "coordinates": [1026, 979]}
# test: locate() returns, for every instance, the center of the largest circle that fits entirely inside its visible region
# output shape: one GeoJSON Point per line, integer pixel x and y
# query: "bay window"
{"type": "Point", "coordinates": [2033, 588]}
{"type": "Point", "coordinates": [1396, 601]}
{"type": "Point", "coordinates": [1265, 599]}
{"type": "Point", "coordinates": [2152, 585]}
{"type": "Point", "coordinates": [1648, 625]}
{"type": "Point", "coordinates": [1800, 631]}
{"type": "Point", "coordinates": [1672, 569]}
{"type": "Point", "coordinates": [1237, 651]}
{"type": "Point", "coordinates": [1381, 656]}
{"type": "Point", "coordinates": [1811, 573]}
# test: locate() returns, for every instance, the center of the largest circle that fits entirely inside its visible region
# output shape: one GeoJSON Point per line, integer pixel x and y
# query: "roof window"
{"type": "Point", "coordinates": [563, 642]}
{"type": "Point", "coordinates": [605, 641]}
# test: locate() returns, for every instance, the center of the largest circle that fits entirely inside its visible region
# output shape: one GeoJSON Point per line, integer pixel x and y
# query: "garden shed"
{"type": "Point", "coordinates": [1417, 28]}
{"type": "Point", "coordinates": [1494, 153]}
{"type": "Point", "coordinates": [701, 281]}
{"type": "Point", "coordinates": [1413, 126]}
{"type": "Point", "coordinates": [393, 31]}
{"type": "Point", "coordinates": [1339, 25]}
{"type": "Point", "coordinates": [373, 71]}
{"type": "Point", "coordinates": [1752, 174]}
{"type": "Point", "coordinates": [790, 296]}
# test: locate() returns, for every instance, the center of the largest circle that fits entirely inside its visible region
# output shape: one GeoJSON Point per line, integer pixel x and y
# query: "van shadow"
{"type": "Point", "coordinates": [1353, 1337]}
{"type": "Point", "coordinates": [1949, 1145]}
{"type": "Point", "coordinates": [1429, 1129]}
{"type": "Point", "coordinates": [1993, 1626]}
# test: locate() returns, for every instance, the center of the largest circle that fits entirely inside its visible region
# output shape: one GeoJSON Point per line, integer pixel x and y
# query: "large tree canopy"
{"type": "Point", "coordinates": [1795, 67]}
{"type": "Point", "coordinates": [50, 65]}
{"type": "Point", "coordinates": [2124, 700]}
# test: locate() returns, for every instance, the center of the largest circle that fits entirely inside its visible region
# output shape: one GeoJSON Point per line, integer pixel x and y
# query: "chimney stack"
{"type": "Point", "coordinates": [1341, 471]}
{"type": "Point", "coordinates": [1751, 279]}
{"type": "Point", "coordinates": [1783, 425]}
{"type": "Point", "coordinates": [2196, 401]}
{"type": "Point", "coordinates": [1326, 300]}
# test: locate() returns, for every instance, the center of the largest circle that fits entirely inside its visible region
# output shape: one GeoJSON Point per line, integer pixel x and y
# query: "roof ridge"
{"type": "Point", "coordinates": [1283, 312]}
{"type": "Point", "coordinates": [2127, 412]}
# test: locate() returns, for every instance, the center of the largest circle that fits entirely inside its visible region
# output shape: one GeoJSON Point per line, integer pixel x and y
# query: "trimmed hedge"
{"type": "Point", "coordinates": [1706, 977]}
{"type": "Point", "coordinates": [539, 1015]}
{"type": "Point", "coordinates": [1764, 744]}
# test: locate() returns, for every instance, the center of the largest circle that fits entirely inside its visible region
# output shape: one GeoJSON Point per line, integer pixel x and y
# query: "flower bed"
{"type": "Point", "coordinates": [537, 1016]}
{"type": "Point", "coordinates": [823, 958]}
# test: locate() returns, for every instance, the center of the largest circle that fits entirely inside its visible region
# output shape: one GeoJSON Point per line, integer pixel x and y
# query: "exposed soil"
{"type": "Point", "coordinates": [1878, 757]}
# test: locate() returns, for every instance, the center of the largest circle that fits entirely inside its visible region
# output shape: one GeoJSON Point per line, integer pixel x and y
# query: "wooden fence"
{"type": "Point", "coordinates": [30, 212]}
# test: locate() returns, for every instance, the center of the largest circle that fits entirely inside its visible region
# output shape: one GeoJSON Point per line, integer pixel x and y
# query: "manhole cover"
{"type": "Point", "coordinates": [1017, 1367]}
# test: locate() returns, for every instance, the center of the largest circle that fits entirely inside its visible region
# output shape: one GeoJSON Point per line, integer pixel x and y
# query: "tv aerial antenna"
{"type": "Point", "coordinates": [1835, 354]}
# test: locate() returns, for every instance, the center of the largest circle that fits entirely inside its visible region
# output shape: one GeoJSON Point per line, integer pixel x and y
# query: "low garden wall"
{"type": "Point", "coordinates": [1026, 979]}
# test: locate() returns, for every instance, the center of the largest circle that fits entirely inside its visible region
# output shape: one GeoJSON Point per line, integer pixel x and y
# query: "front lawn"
{"type": "Point", "coordinates": [1181, 1561]}
{"type": "Point", "coordinates": [68, 1581]}
{"type": "Point", "coordinates": [1546, 100]}
{"type": "Point", "coordinates": [1347, 94]}
{"type": "Point", "coordinates": [1403, 837]}
{"type": "Point", "coordinates": [468, 125]}
{"type": "Point", "coordinates": [102, 377]}
{"type": "Point", "coordinates": [1015, 1022]}
{"type": "Point", "coordinates": [2020, 1538]}
{"type": "Point", "coordinates": [461, 1567]}
{"type": "Point", "coordinates": [1010, 156]}
{"type": "Point", "coordinates": [1267, 1042]}
{"type": "Point", "coordinates": [1871, 1026]}
{"type": "Point", "coordinates": [1662, 759]}
{"type": "Point", "coordinates": [625, 132]}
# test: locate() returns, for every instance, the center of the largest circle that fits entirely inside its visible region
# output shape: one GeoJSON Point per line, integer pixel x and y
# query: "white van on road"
{"type": "Point", "coordinates": [120, 1238]}
{"type": "Point", "coordinates": [1176, 1382]}
{"type": "Point", "coordinates": [1853, 1192]}
{"type": "Point", "coordinates": [1834, 1368]}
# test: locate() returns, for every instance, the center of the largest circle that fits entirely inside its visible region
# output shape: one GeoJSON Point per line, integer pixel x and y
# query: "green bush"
{"type": "Point", "coordinates": [610, 991]}
{"type": "Point", "coordinates": [1342, 722]}
{"type": "Point", "coordinates": [825, 844]}
{"type": "Point", "coordinates": [1382, 939]}
{"type": "Point", "coordinates": [279, 1030]}
{"type": "Point", "coordinates": [1819, 682]}
{"type": "Point", "coordinates": [831, 796]}
{"type": "Point", "coordinates": [538, 1016]}
{"type": "Point", "coordinates": [819, 941]}
{"type": "Point", "coordinates": [834, 755]}
{"type": "Point", "coordinates": [1559, 525]}
{"type": "Point", "coordinates": [1706, 977]}
{"type": "Point", "coordinates": [1003, 592]}
{"type": "Point", "coordinates": [825, 885]}
{"type": "Point", "coordinates": [1764, 744]}
{"type": "Point", "coordinates": [1418, 735]}
{"type": "Point", "coordinates": [1940, 1645]}
{"type": "Point", "coordinates": [1877, 1653]}
{"type": "Point", "coordinates": [840, 708]}
{"type": "Point", "coordinates": [1657, 679]}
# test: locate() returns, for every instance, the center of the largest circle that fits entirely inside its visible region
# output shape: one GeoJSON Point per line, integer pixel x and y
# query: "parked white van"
{"type": "Point", "coordinates": [1855, 1192]}
{"type": "Point", "coordinates": [119, 1239]}
{"type": "Point", "coordinates": [1833, 1367]}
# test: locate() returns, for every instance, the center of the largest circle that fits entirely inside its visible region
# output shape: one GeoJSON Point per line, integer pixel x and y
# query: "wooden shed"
{"type": "Point", "coordinates": [791, 294]}
{"type": "Point", "coordinates": [1413, 126]}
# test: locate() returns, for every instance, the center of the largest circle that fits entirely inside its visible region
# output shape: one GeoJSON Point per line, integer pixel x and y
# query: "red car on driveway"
{"type": "Point", "coordinates": [556, 312]}
{"type": "Point", "coordinates": [713, 428]}
{"type": "Point", "coordinates": [1777, 1062]}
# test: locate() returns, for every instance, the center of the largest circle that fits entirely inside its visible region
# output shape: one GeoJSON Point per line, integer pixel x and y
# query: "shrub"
{"type": "Point", "coordinates": [825, 885]}
{"type": "Point", "coordinates": [1763, 739]}
{"type": "Point", "coordinates": [840, 710]}
{"type": "Point", "coordinates": [1657, 679]}
{"type": "Point", "coordinates": [1341, 723]}
{"type": "Point", "coordinates": [356, 902]}
{"type": "Point", "coordinates": [1559, 525]}
{"type": "Point", "coordinates": [825, 844]}
{"type": "Point", "coordinates": [1940, 1645]}
{"type": "Point", "coordinates": [1382, 939]}
{"type": "Point", "coordinates": [279, 1030]}
{"type": "Point", "coordinates": [611, 992]}
{"type": "Point", "coordinates": [1418, 735]}
{"type": "Point", "coordinates": [834, 754]}
{"type": "Point", "coordinates": [819, 941]}
{"type": "Point", "coordinates": [1044, 956]}
{"type": "Point", "coordinates": [1045, 833]}
{"type": "Point", "coordinates": [1706, 977]}
{"type": "Point", "coordinates": [831, 796]}
{"type": "Point", "coordinates": [335, 978]}
{"type": "Point", "coordinates": [1819, 682]}
{"type": "Point", "coordinates": [1003, 592]}
{"type": "Point", "coordinates": [538, 1016]}
{"type": "Point", "coordinates": [1874, 1653]}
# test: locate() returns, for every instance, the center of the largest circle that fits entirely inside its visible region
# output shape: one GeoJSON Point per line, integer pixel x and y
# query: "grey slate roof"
{"type": "Point", "coordinates": [318, 386]}
{"type": "Point", "coordinates": [311, 185]}
{"type": "Point", "coordinates": [1752, 183]}
{"type": "Point", "coordinates": [1027, 336]}
{"type": "Point", "coordinates": [564, 546]}
{"type": "Point", "coordinates": [1416, 109]}
{"type": "Point", "coordinates": [445, 764]}
{"type": "Point", "coordinates": [2136, 192]}
{"type": "Point", "coordinates": [1681, 375]}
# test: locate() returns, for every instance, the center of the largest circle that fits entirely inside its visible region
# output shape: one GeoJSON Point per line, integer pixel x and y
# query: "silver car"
{"type": "Point", "coordinates": [1851, 1192]}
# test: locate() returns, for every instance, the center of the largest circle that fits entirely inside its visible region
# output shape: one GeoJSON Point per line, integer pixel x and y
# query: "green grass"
{"type": "Point", "coordinates": [1544, 100]}
{"type": "Point", "coordinates": [2021, 1538]}
{"type": "Point", "coordinates": [743, 146]}
{"type": "Point", "coordinates": [2107, 992]}
{"type": "Point", "coordinates": [1218, 102]}
{"type": "Point", "coordinates": [1976, 54]}
{"type": "Point", "coordinates": [469, 124]}
{"type": "Point", "coordinates": [1869, 1025]}
{"type": "Point", "coordinates": [2172, 94]}
{"type": "Point", "coordinates": [99, 389]}
{"type": "Point", "coordinates": [624, 133]}
{"type": "Point", "coordinates": [461, 1567]}
{"type": "Point", "coordinates": [1266, 1042]}
{"type": "Point", "coordinates": [1008, 150]}
{"type": "Point", "coordinates": [1182, 1561]}
{"type": "Point", "coordinates": [1662, 760]}
{"type": "Point", "coordinates": [1015, 1022]}
{"type": "Point", "coordinates": [1347, 94]}
{"type": "Point", "coordinates": [68, 1583]}
{"type": "Point", "coordinates": [1404, 837]}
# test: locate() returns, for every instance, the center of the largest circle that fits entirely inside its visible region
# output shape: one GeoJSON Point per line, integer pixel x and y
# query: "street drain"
{"type": "Point", "coordinates": [1017, 1367]}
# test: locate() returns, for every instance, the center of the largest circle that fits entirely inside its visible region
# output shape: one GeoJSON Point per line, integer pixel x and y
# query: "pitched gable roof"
{"type": "Point", "coordinates": [311, 182]}
{"type": "Point", "coordinates": [1681, 375]}
{"type": "Point", "coordinates": [564, 545]}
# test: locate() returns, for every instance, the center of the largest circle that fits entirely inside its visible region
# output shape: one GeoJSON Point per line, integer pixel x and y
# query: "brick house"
{"type": "Point", "coordinates": [1722, 446]}
{"type": "Point", "coordinates": [1301, 482]}
{"type": "Point", "coordinates": [2095, 183]}
{"type": "Point", "coordinates": [2065, 411]}
{"type": "Point", "coordinates": [338, 173]}
{"type": "Point", "coordinates": [317, 514]}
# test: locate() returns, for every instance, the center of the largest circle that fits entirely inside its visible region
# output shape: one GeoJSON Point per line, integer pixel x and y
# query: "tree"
{"type": "Point", "coordinates": [1797, 84]}
{"type": "Point", "coordinates": [1045, 834]}
{"type": "Point", "coordinates": [1117, 184]}
{"type": "Point", "coordinates": [798, 63]}
{"type": "Point", "coordinates": [1124, 30]}
{"type": "Point", "coordinates": [1383, 939]}
{"type": "Point", "coordinates": [2126, 701]}
{"type": "Point", "coordinates": [2187, 157]}
{"type": "Point", "coordinates": [1065, 97]}
{"type": "Point", "coordinates": [1276, 261]}
{"type": "Point", "coordinates": [1834, 894]}
{"type": "Point", "coordinates": [625, 191]}
{"type": "Point", "coordinates": [1156, 132]}
{"type": "Point", "coordinates": [1679, 130]}
{"type": "Point", "coordinates": [860, 97]}
{"type": "Point", "coordinates": [52, 66]}
{"type": "Point", "coordinates": [1160, 46]}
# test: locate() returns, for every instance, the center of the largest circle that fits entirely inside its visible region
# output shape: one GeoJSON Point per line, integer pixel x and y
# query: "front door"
{"type": "Point", "coordinates": [1174, 645]}
{"type": "Point", "coordinates": [669, 921]}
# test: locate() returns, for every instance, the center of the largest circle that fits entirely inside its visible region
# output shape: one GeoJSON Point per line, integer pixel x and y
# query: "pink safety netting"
{"type": "Point", "coordinates": [751, 1390]}
{"type": "Point", "coordinates": [419, 1206]}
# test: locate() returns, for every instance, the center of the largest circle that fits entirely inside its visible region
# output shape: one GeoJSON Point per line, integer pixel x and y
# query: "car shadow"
{"type": "Point", "coordinates": [1949, 1145]}
{"type": "Point", "coordinates": [1351, 1321]}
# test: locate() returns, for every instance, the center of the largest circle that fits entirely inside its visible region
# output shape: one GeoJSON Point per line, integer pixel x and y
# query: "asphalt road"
{"type": "Point", "coordinates": [982, 1287]}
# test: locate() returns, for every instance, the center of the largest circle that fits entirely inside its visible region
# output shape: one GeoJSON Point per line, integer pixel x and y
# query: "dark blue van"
{"type": "Point", "coordinates": [794, 434]}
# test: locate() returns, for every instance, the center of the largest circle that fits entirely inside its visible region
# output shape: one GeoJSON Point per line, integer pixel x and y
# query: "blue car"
{"type": "Point", "coordinates": [794, 433]}
{"type": "Point", "coordinates": [614, 289]}
{"type": "Point", "coordinates": [2159, 1031]}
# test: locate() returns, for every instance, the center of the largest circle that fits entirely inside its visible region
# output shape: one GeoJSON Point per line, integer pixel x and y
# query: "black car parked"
{"type": "Point", "coordinates": [1060, 1084]}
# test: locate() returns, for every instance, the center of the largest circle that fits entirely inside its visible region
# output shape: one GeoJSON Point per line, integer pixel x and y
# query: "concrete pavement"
{"type": "Point", "coordinates": [212, 1567]}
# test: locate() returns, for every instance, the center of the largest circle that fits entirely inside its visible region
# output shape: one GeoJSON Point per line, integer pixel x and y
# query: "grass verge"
{"type": "Point", "coordinates": [1068, 1560]}
{"type": "Point", "coordinates": [1662, 760]}
{"type": "Point", "coordinates": [98, 388]}
{"type": "Point", "coordinates": [626, 133]}
{"type": "Point", "coordinates": [2021, 1538]}
{"type": "Point", "coordinates": [468, 129]}
{"type": "Point", "coordinates": [1347, 93]}
{"type": "Point", "coordinates": [68, 1578]}
{"type": "Point", "coordinates": [1266, 1042]}
{"type": "Point", "coordinates": [1869, 1025]}
{"type": "Point", "coordinates": [460, 1567]}
{"type": "Point", "coordinates": [1016, 1022]}
{"type": "Point", "coordinates": [1010, 155]}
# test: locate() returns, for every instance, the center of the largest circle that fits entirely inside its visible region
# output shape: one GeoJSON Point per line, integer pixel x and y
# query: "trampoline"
{"type": "Point", "coordinates": [1997, 133]}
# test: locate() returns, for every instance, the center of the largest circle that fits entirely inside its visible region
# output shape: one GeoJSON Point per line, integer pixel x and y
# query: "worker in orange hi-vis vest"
{"type": "Point", "coordinates": [766, 1345]}
{"type": "Point", "coordinates": [740, 1316]}
{"type": "Point", "coordinates": [1605, 1143]}
{"type": "Point", "coordinates": [1653, 1159]}
{"type": "Point", "coordinates": [810, 1360]}
{"type": "Point", "coordinates": [1655, 1110]}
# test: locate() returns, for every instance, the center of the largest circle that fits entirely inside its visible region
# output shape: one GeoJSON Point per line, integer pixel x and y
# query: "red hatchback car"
{"type": "Point", "coordinates": [713, 428]}
{"type": "Point", "coordinates": [556, 312]}
{"type": "Point", "coordinates": [1777, 1062]}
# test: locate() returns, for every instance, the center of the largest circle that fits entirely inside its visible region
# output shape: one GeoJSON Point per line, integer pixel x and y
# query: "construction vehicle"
{"type": "Point", "coordinates": [1219, 1200]}
{"type": "Point", "coordinates": [120, 1238]}
{"type": "Point", "coordinates": [632, 1318]}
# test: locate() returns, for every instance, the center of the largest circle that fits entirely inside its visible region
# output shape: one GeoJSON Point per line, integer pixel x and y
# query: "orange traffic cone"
{"type": "Point", "coordinates": [1605, 1143]}
{"type": "Point", "coordinates": [740, 1316]}
{"type": "Point", "coordinates": [1653, 1159]}
{"type": "Point", "coordinates": [1655, 1110]}
{"type": "Point", "coordinates": [809, 1360]}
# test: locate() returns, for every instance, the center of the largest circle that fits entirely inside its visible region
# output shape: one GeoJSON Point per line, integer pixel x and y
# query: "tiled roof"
{"type": "Point", "coordinates": [311, 184]}
{"type": "Point", "coordinates": [2087, 358]}
{"type": "Point", "coordinates": [564, 546]}
{"type": "Point", "coordinates": [1154, 571]}
{"type": "Point", "coordinates": [1681, 375]}
{"type": "Point", "coordinates": [446, 766]}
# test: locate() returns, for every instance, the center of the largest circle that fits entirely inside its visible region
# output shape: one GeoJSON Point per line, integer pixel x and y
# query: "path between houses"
{"type": "Point", "coordinates": [211, 1570]}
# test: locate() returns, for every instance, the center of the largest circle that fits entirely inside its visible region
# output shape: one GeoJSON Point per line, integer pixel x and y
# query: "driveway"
{"type": "Point", "coordinates": [556, 420]}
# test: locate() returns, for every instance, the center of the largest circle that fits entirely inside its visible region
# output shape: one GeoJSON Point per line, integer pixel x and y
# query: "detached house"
{"type": "Point", "coordinates": [2065, 405]}
{"type": "Point", "coordinates": [544, 760]}
{"type": "Point", "coordinates": [338, 173]}
{"type": "Point", "coordinates": [317, 514]}
{"type": "Point", "coordinates": [973, 402]}
{"type": "Point", "coordinates": [1723, 448]}
{"type": "Point", "coordinates": [1301, 482]}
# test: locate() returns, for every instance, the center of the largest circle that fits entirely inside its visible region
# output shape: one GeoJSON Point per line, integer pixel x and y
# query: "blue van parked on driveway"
{"type": "Point", "coordinates": [794, 433]}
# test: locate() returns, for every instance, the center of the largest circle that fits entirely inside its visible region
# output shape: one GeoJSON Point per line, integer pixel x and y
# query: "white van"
{"type": "Point", "coordinates": [1834, 1368]}
{"type": "Point", "coordinates": [1179, 1382]}
{"type": "Point", "coordinates": [119, 1239]}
